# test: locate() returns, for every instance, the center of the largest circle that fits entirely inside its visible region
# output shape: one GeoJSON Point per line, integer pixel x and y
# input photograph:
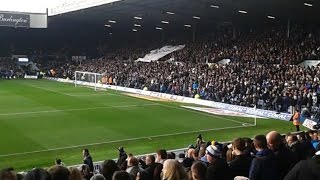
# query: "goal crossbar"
{"type": "Point", "coordinates": [89, 77]}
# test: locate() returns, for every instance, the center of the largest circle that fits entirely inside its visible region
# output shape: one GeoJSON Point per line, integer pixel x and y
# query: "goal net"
{"type": "Point", "coordinates": [89, 79]}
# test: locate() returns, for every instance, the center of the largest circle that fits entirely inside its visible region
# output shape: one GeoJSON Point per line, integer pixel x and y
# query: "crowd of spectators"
{"type": "Point", "coordinates": [269, 46]}
{"type": "Point", "coordinates": [265, 157]}
{"type": "Point", "coordinates": [268, 86]}
{"type": "Point", "coordinates": [263, 70]}
{"type": "Point", "coordinates": [8, 68]}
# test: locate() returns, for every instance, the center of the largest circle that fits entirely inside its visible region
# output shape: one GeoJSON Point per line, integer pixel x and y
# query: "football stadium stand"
{"type": "Point", "coordinates": [255, 55]}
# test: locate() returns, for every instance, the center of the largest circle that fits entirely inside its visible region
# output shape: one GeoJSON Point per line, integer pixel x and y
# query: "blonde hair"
{"type": "Point", "coordinates": [173, 170]}
{"type": "Point", "coordinates": [75, 174]}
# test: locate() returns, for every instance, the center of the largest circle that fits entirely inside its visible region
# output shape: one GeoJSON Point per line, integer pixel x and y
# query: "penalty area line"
{"type": "Point", "coordinates": [124, 140]}
{"type": "Point", "coordinates": [79, 109]}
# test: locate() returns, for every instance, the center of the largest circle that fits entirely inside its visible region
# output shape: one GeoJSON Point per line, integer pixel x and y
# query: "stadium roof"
{"type": "Point", "coordinates": [152, 20]}
{"type": "Point", "coordinates": [187, 13]}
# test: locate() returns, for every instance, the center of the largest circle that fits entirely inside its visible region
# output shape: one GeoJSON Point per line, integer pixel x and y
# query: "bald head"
{"type": "Point", "coordinates": [274, 140]}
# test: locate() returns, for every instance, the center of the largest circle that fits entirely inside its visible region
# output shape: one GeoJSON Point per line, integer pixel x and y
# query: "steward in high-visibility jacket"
{"type": "Point", "coordinates": [296, 119]}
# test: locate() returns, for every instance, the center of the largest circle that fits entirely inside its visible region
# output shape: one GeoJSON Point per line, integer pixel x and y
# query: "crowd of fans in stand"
{"type": "Point", "coordinates": [270, 46]}
{"type": "Point", "coordinates": [262, 71]}
{"type": "Point", "coordinates": [268, 86]}
{"type": "Point", "coordinates": [8, 68]}
{"type": "Point", "coordinates": [293, 157]}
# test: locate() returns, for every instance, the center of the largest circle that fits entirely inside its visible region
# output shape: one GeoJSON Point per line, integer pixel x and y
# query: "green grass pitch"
{"type": "Point", "coordinates": [43, 120]}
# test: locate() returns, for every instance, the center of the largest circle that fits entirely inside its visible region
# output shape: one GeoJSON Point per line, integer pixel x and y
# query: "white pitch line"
{"type": "Point", "coordinates": [122, 140]}
{"type": "Point", "coordinates": [180, 108]}
{"type": "Point", "coordinates": [88, 95]}
{"type": "Point", "coordinates": [203, 113]}
{"type": "Point", "coordinates": [50, 90]}
{"type": "Point", "coordinates": [78, 109]}
{"type": "Point", "coordinates": [67, 94]}
{"type": "Point", "coordinates": [185, 109]}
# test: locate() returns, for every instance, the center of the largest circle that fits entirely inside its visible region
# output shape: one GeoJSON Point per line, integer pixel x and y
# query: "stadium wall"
{"type": "Point", "coordinates": [242, 109]}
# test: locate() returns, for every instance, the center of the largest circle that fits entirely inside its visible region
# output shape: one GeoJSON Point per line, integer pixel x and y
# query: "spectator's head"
{"type": "Point", "coordinates": [75, 174]}
{"type": "Point", "coordinates": [212, 153]}
{"type": "Point", "coordinates": [260, 142]}
{"type": "Point", "coordinates": [7, 174]}
{"type": "Point", "coordinates": [38, 174]}
{"type": "Point", "coordinates": [181, 157]}
{"type": "Point", "coordinates": [302, 136]}
{"type": "Point", "coordinates": [20, 177]}
{"type": "Point", "coordinates": [249, 143]}
{"type": "Point", "coordinates": [190, 152]}
{"type": "Point", "coordinates": [121, 175]}
{"type": "Point", "coordinates": [238, 146]}
{"type": "Point", "coordinates": [58, 162]}
{"type": "Point", "coordinates": [230, 156]}
{"type": "Point", "coordinates": [171, 155]}
{"type": "Point", "coordinates": [133, 161]}
{"type": "Point", "coordinates": [59, 172]}
{"type": "Point", "coordinates": [292, 139]}
{"type": "Point", "coordinates": [85, 152]}
{"type": "Point", "coordinates": [310, 133]}
{"type": "Point", "coordinates": [161, 155]}
{"type": "Point", "coordinates": [98, 177]}
{"type": "Point", "coordinates": [173, 170]}
{"type": "Point", "coordinates": [150, 159]}
{"type": "Point", "coordinates": [198, 171]}
{"type": "Point", "coordinates": [108, 167]}
{"type": "Point", "coordinates": [274, 140]}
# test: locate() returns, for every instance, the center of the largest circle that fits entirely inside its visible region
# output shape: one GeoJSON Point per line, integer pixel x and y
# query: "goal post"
{"type": "Point", "coordinates": [87, 78]}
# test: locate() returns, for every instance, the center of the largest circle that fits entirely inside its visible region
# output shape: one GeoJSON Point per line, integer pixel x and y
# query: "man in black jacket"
{"type": "Point", "coordinates": [150, 166]}
{"type": "Point", "coordinates": [87, 159]}
{"type": "Point", "coordinates": [306, 169]}
{"type": "Point", "coordinates": [284, 157]}
{"type": "Point", "coordinates": [297, 147]}
{"type": "Point", "coordinates": [241, 164]}
{"type": "Point", "coordinates": [263, 166]}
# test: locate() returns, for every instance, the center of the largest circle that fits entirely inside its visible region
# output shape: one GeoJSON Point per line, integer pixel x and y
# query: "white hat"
{"type": "Point", "coordinates": [213, 151]}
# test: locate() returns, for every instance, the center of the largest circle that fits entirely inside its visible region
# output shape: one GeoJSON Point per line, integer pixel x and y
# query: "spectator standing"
{"type": "Point", "coordinates": [161, 156]}
{"type": "Point", "coordinates": [151, 165]}
{"type": "Point", "coordinates": [108, 167]}
{"type": "Point", "coordinates": [263, 166]}
{"type": "Point", "coordinates": [87, 159]}
{"type": "Point", "coordinates": [297, 147]}
{"type": "Point", "coordinates": [285, 159]}
{"type": "Point", "coordinates": [241, 164]}
{"type": "Point", "coordinates": [296, 119]}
